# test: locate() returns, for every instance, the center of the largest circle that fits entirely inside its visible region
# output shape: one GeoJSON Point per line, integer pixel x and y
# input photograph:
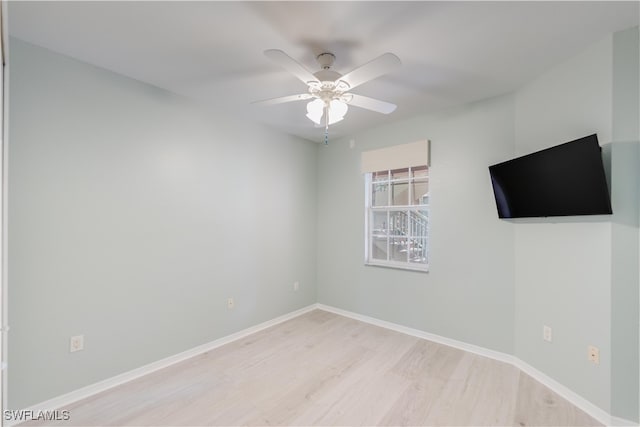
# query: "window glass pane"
{"type": "Point", "coordinates": [400, 173]}
{"type": "Point", "coordinates": [420, 192]}
{"type": "Point", "coordinates": [419, 172]}
{"type": "Point", "coordinates": [400, 194]}
{"type": "Point", "coordinates": [418, 224]}
{"type": "Point", "coordinates": [381, 176]}
{"type": "Point", "coordinates": [380, 196]}
{"type": "Point", "coordinates": [418, 251]}
{"type": "Point", "coordinates": [379, 223]}
{"type": "Point", "coordinates": [379, 248]}
{"type": "Point", "coordinates": [398, 248]}
{"type": "Point", "coordinates": [398, 222]}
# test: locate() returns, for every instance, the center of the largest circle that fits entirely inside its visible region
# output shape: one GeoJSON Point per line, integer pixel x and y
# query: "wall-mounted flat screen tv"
{"type": "Point", "coordinates": [564, 180]}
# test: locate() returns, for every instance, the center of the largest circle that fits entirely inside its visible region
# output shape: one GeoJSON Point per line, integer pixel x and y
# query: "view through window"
{"type": "Point", "coordinates": [397, 218]}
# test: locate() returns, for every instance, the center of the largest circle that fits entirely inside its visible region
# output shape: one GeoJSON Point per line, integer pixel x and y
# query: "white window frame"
{"type": "Point", "coordinates": [423, 231]}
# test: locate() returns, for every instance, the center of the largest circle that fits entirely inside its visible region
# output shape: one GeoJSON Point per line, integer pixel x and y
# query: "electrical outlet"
{"type": "Point", "coordinates": [76, 343]}
{"type": "Point", "coordinates": [593, 354]}
{"type": "Point", "coordinates": [547, 333]}
{"type": "Point", "coordinates": [296, 286]}
{"type": "Point", "coordinates": [230, 303]}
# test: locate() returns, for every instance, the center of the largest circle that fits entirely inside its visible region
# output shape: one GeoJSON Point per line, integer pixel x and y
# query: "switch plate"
{"type": "Point", "coordinates": [230, 303]}
{"type": "Point", "coordinates": [547, 333]}
{"type": "Point", "coordinates": [296, 286]}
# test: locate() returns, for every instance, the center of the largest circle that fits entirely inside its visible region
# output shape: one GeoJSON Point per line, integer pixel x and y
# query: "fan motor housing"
{"type": "Point", "coordinates": [326, 75]}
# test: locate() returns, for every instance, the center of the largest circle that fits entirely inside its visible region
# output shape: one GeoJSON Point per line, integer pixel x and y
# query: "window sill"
{"type": "Point", "coordinates": [405, 267]}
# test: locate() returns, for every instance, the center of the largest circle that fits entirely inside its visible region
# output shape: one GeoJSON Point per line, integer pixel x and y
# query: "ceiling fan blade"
{"type": "Point", "coordinates": [372, 69]}
{"type": "Point", "coordinates": [371, 104]}
{"type": "Point", "coordinates": [283, 99]}
{"type": "Point", "coordinates": [291, 65]}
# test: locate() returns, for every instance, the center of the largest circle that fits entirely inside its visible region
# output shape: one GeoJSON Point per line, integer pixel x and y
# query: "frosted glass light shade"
{"type": "Point", "coordinates": [337, 110]}
{"type": "Point", "coordinates": [315, 109]}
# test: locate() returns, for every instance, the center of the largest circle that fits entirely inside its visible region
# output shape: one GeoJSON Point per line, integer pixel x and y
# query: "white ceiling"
{"type": "Point", "coordinates": [452, 52]}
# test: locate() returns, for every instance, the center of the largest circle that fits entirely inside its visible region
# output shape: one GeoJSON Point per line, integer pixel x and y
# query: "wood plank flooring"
{"type": "Point", "coordinates": [325, 369]}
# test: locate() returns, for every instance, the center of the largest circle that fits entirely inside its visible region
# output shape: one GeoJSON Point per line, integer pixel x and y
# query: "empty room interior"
{"type": "Point", "coordinates": [321, 213]}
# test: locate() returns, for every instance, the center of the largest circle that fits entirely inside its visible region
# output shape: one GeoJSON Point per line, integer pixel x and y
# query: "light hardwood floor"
{"type": "Point", "coordinates": [325, 369]}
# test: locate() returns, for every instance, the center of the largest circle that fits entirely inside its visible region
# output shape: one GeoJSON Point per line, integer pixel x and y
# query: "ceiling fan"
{"type": "Point", "coordinates": [328, 90]}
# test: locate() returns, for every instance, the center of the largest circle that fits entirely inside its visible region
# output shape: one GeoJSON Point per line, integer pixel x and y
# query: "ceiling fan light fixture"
{"type": "Point", "coordinates": [315, 110]}
{"type": "Point", "coordinates": [342, 86]}
{"type": "Point", "coordinates": [329, 89]}
{"type": "Point", "coordinates": [337, 110]}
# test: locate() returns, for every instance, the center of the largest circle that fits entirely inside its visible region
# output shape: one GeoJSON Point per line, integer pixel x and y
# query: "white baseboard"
{"type": "Point", "coordinates": [90, 390]}
{"type": "Point", "coordinates": [594, 411]}
{"type": "Point", "coordinates": [577, 400]}
{"type": "Point", "coordinates": [471, 348]}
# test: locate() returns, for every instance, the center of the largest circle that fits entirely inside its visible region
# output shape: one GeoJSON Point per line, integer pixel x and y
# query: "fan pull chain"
{"type": "Point", "coordinates": [326, 125]}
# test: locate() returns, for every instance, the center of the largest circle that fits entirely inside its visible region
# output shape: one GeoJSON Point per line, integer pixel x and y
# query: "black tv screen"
{"type": "Point", "coordinates": [567, 179]}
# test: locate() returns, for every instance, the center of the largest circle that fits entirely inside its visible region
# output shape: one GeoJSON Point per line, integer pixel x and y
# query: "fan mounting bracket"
{"type": "Point", "coordinates": [326, 60]}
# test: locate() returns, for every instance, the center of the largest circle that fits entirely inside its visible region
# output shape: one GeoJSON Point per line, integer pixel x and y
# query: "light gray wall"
{"type": "Point", "coordinates": [468, 293]}
{"type": "Point", "coordinates": [580, 275]}
{"type": "Point", "coordinates": [624, 280]}
{"type": "Point", "coordinates": [133, 215]}
{"type": "Point", "coordinates": [626, 201]}
{"type": "Point", "coordinates": [496, 283]}
{"type": "Point", "coordinates": [563, 266]}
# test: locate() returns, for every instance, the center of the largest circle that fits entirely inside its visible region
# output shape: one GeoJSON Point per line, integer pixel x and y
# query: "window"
{"type": "Point", "coordinates": [397, 217]}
